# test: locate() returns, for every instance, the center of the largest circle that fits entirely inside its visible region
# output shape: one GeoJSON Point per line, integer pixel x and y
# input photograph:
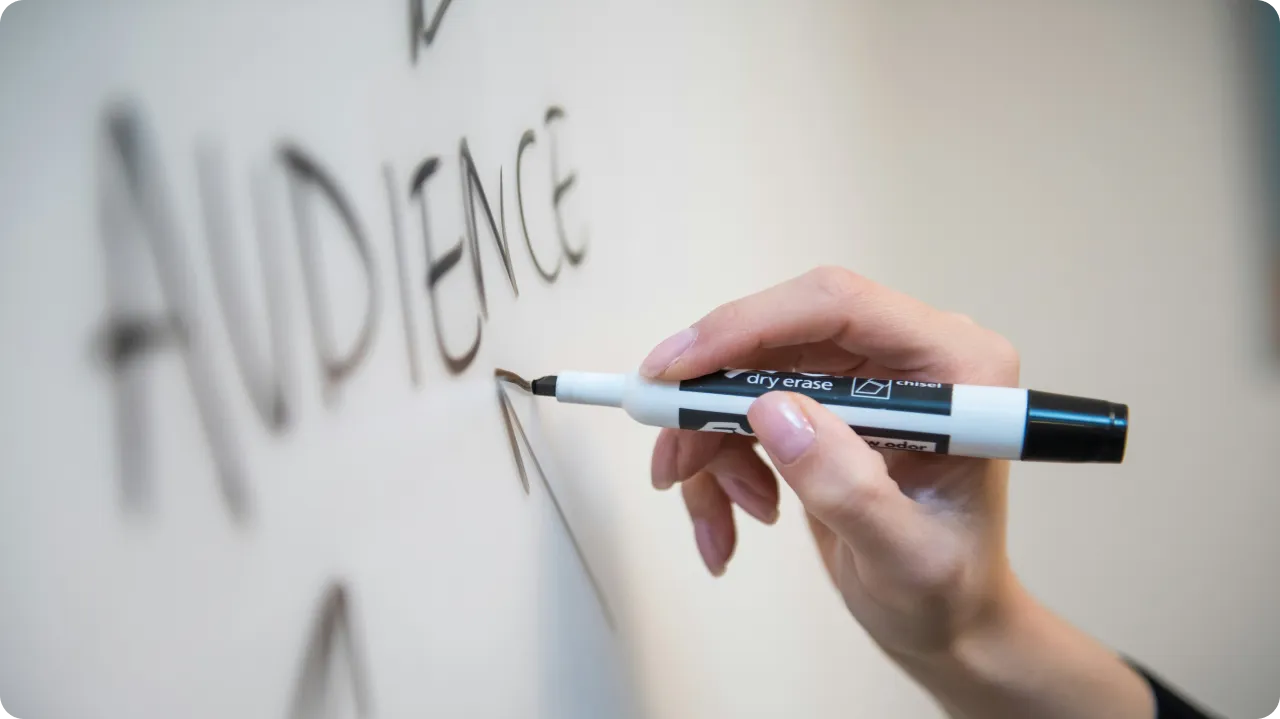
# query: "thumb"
{"type": "Point", "coordinates": [840, 479]}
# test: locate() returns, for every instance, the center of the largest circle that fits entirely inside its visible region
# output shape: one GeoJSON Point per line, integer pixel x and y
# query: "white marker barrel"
{"type": "Point", "coordinates": [964, 420]}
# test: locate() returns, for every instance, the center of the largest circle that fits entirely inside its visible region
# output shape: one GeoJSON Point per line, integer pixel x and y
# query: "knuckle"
{"type": "Point", "coordinates": [985, 356]}
{"type": "Point", "coordinates": [875, 465]}
{"type": "Point", "coordinates": [1004, 355]}
{"type": "Point", "coordinates": [836, 282]}
{"type": "Point", "coordinates": [689, 493]}
{"type": "Point", "coordinates": [694, 452]}
{"type": "Point", "coordinates": [725, 317]}
{"type": "Point", "coordinates": [851, 498]}
{"type": "Point", "coordinates": [861, 500]}
{"type": "Point", "coordinates": [695, 492]}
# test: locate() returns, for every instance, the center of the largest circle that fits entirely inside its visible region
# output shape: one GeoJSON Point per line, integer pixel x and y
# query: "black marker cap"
{"type": "Point", "coordinates": [1074, 429]}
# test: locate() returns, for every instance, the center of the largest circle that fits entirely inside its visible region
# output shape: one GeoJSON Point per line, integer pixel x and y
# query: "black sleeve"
{"type": "Point", "coordinates": [1169, 704]}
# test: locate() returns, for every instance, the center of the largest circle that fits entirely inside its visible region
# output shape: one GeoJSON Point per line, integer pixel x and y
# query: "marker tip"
{"type": "Point", "coordinates": [545, 386]}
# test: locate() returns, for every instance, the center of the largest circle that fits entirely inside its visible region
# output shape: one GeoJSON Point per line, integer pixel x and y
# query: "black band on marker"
{"type": "Point", "coordinates": [1061, 428]}
{"type": "Point", "coordinates": [894, 395]}
{"type": "Point", "coordinates": [703, 421]}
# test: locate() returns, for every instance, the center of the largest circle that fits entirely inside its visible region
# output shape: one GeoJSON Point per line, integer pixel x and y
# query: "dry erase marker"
{"type": "Point", "coordinates": [963, 420]}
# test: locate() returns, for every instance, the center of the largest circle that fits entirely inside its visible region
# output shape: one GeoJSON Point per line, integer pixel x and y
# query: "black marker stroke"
{"type": "Point", "coordinates": [332, 622]}
{"type": "Point", "coordinates": [471, 189]}
{"type": "Point", "coordinates": [263, 378]}
{"type": "Point", "coordinates": [437, 269]}
{"type": "Point", "coordinates": [562, 187]}
{"type": "Point", "coordinates": [420, 33]}
{"type": "Point", "coordinates": [513, 379]}
{"type": "Point", "coordinates": [516, 435]}
{"type": "Point", "coordinates": [402, 275]}
{"type": "Point", "coordinates": [304, 171]}
{"type": "Point", "coordinates": [526, 141]}
{"type": "Point", "coordinates": [123, 343]}
{"type": "Point", "coordinates": [133, 202]}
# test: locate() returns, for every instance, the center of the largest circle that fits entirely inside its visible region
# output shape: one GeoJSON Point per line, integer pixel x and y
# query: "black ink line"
{"type": "Point", "coordinates": [441, 267]}
{"type": "Point", "coordinates": [266, 225]}
{"type": "Point", "coordinates": [123, 342]}
{"type": "Point", "coordinates": [512, 424]}
{"type": "Point", "coordinates": [562, 187]}
{"type": "Point", "coordinates": [304, 170]}
{"type": "Point", "coordinates": [526, 141]}
{"type": "Point", "coordinates": [515, 434]}
{"type": "Point", "coordinates": [131, 184]}
{"type": "Point", "coordinates": [471, 188]}
{"type": "Point", "coordinates": [513, 379]}
{"type": "Point", "coordinates": [424, 171]}
{"type": "Point", "coordinates": [127, 338]}
{"type": "Point", "coordinates": [263, 380]}
{"type": "Point", "coordinates": [333, 618]}
{"type": "Point", "coordinates": [424, 35]}
{"type": "Point", "coordinates": [436, 270]}
{"type": "Point", "coordinates": [402, 274]}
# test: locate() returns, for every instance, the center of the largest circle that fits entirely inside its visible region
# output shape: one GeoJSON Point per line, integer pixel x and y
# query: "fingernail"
{"type": "Point", "coordinates": [782, 428]}
{"type": "Point", "coordinates": [667, 352]}
{"type": "Point", "coordinates": [707, 547]}
{"type": "Point", "coordinates": [746, 496]}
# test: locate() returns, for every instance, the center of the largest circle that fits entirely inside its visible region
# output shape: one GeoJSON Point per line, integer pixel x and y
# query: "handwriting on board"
{"type": "Point", "coordinates": [422, 31]}
{"type": "Point", "coordinates": [153, 311]}
{"type": "Point", "coordinates": [332, 632]}
{"type": "Point", "coordinates": [516, 437]}
{"type": "Point", "coordinates": [143, 240]}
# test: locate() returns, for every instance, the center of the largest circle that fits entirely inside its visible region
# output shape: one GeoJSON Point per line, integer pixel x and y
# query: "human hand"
{"type": "Point", "coordinates": [913, 542]}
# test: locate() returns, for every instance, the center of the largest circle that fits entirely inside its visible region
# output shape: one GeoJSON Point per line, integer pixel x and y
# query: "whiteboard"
{"type": "Point", "coordinates": [263, 263]}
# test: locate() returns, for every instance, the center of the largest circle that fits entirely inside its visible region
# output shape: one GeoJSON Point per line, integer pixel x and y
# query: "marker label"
{"type": "Point", "coordinates": [897, 395]}
{"type": "Point", "coordinates": [702, 421]}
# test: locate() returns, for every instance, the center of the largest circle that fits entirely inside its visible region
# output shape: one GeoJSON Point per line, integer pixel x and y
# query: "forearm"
{"type": "Point", "coordinates": [1023, 661]}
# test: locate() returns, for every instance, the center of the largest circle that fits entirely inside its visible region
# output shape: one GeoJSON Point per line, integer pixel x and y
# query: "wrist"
{"type": "Point", "coordinates": [1018, 659]}
{"type": "Point", "coordinates": [982, 646]}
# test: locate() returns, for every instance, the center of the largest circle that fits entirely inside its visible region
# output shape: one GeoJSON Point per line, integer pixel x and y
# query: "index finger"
{"type": "Point", "coordinates": [829, 303]}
